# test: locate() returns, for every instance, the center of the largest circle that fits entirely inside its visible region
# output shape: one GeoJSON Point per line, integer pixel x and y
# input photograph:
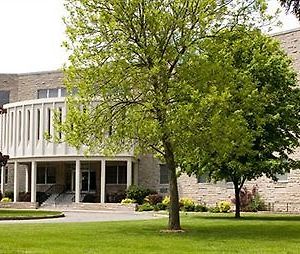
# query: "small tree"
{"type": "Point", "coordinates": [252, 119]}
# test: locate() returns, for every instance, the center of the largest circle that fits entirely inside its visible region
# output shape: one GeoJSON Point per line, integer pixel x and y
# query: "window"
{"type": "Point", "coordinates": [164, 174]}
{"type": "Point", "coordinates": [116, 174]}
{"type": "Point", "coordinates": [282, 177]}
{"type": "Point", "coordinates": [4, 97]}
{"type": "Point", "coordinates": [28, 125]}
{"type": "Point", "coordinates": [49, 121]}
{"type": "Point", "coordinates": [38, 133]}
{"type": "Point", "coordinates": [46, 175]}
{"type": "Point", "coordinates": [202, 178]}
{"type": "Point", "coordinates": [5, 174]}
{"type": "Point", "coordinates": [19, 127]}
{"type": "Point", "coordinates": [52, 92]}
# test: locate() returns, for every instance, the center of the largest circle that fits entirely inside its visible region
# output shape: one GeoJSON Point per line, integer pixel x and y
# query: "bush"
{"type": "Point", "coordinates": [154, 199]}
{"type": "Point", "coordinates": [214, 209]}
{"type": "Point", "coordinates": [128, 201]}
{"type": "Point", "coordinates": [224, 206]}
{"type": "Point", "coordinates": [250, 201]}
{"type": "Point", "coordinates": [116, 197]}
{"type": "Point", "coordinates": [166, 201]}
{"type": "Point", "coordinates": [159, 207]}
{"type": "Point", "coordinates": [200, 208]}
{"type": "Point", "coordinates": [9, 194]}
{"type": "Point", "coordinates": [138, 193]}
{"type": "Point", "coordinates": [145, 207]}
{"type": "Point", "coordinates": [187, 204]}
{"type": "Point", "coordinates": [5, 200]}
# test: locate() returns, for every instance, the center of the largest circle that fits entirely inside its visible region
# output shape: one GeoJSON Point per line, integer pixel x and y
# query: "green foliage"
{"type": "Point", "coordinates": [145, 207]}
{"type": "Point", "coordinates": [187, 204]}
{"type": "Point", "coordinates": [166, 201]}
{"type": "Point", "coordinates": [224, 206]}
{"type": "Point", "coordinates": [128, 201]}
{"type": "Point", "coordinates": [6, 200]}
{"type": "Point", "coordinates": [154, 199]}
{"type": "Point", "coordinates": [159, 206]}
{"type": "Point", "coordinates": [200, 208]}
{"type": "Point", "coordinates": [137, 193]}
{"type": "Point", "coordinates": [141, 69]}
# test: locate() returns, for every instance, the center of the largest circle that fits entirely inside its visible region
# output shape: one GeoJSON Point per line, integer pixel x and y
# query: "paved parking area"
{"type": "Point", "coordinates": [92, 216]}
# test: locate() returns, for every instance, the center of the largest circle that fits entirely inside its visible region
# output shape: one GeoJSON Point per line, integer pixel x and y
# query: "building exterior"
{"type": "Point", "coordinates": [37, 166]}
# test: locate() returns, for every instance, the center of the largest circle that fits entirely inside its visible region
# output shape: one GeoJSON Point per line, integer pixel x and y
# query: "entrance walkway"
{"type": "Point", "coordinates": [92, 216]}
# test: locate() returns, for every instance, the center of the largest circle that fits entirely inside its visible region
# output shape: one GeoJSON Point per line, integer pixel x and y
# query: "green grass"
{"type": "Point", "coordinates": [204, 234]}
{"type": "Point", "coordinates": [14, 214]}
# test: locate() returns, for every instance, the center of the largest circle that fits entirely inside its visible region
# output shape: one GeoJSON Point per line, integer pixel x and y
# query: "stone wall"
{"type": "Point", "coordinates": [9, 82]}
{"type": "Point", "coordinates": [30, 83]}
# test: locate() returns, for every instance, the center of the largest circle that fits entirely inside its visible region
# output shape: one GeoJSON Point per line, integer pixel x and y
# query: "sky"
{"type": "Point", "coordinates": [32, 32]}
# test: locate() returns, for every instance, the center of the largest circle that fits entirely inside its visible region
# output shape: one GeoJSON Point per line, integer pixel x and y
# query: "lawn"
{"type": "Point", "coordinates": [204, 234]}
{"type": "Point", "coordinates": [25, 214]}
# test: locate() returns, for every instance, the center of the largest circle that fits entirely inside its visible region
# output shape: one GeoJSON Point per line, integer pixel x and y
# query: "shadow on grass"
{"type": "Point", "coordinates": [252, 217]}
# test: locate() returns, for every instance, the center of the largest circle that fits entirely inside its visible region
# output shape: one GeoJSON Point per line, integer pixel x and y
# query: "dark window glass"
{"type": "Point", "coordinates": [202, 178]}
{"type": "Point", "coordinates": [41, 175]}
{"type": "Point", "coordinates": [63, 92]}
{"type": "Point", "coordinates": [122, 175]}
{"type": "Point", "coordinates": [92, 180]}
{"type": "Point", "coordinates": [53, 92]}
{"type": "Point", "coordinates": [164, 174]}
{"type": "Point", "coordinates": [111, 174]}
{"type": "Point", "coordinates": [42, 93]}
{"type": "Point", "coordinates": [51, 175]}
{"type": "Point", "coordinates": [4, 97]}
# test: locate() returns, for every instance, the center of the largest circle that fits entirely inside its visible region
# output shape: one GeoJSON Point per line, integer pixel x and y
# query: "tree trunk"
{"type": "Point", "coordinates": [237, 200]}
{"type": "Point", "coordinates": [174, 218]}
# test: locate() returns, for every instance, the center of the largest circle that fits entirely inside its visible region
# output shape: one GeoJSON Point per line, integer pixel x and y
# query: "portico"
{"type": "Point", "coordinates": [97, 176]}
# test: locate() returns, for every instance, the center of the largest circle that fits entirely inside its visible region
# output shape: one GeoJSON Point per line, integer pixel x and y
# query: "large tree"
{"type": "Point", "coordinates": [253, 117]}
{"type": "Point", "coordinates": [129, 62]}
{"type": "Point", "coordinates": [293, 5]}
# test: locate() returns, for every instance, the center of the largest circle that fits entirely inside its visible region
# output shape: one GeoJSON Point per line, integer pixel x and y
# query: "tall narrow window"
{"type": "Point", "coordinates": [49, 121]}
{"type": "Point", "coordinates": [28, 125]}
{"type": "Point", "coordinates": [60, 121]}
{"type": "Point", "coordinates": [38, 134]}
{"type": "Point", "coordinates": [19, 127]}
{"type": "Point", "coordinates": [4, 129]}
{"type": "Point", "coordinates": [12, 128]}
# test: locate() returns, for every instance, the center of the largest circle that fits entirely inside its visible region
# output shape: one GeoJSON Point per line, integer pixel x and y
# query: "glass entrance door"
{"type": "Point", "coordinates": [88, 181]}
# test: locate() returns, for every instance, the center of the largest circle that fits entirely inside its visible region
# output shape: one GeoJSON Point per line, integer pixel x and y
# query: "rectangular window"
{"type": "Point", "coordinates": [38, 133]}
{"type": "Point", "coordinates": [53, 93]}
{"type": "Point", "coordinates": [60, 121]}
{"type": "Point", "coordinates": [63, 92]}
{"type": "Point", "coordinates": [49, 121]}
{"type": "Point", "coordinates": [42, 93]}
{"type": "Point", "coordinates": [19, 126]}
{"type": "Point", "coordinates": [12, 128]}
{"type": "Point", "coordinates": [282, 178]}
{"type": "Point", "coordinates": [202, 178]}
{"type": "Point", "coordinates": [116, 174]}
{"type": "Point", "coordinates": [164, 174]}
{"type": "Point", "coordinates": [46, 175]}
{"type": "Point", "coordinates": [28, 125]}
{"type": "Point", "coordinates": [4, 97]}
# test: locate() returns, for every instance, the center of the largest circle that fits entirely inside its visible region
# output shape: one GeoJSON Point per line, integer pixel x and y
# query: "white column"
{"type": "Point", "coordinates": [33, 181]}
{"type": "Point", "coordinates": [77, 181]}
{"type": "Point", "coordinates": [16, 182]}
{"type": "Point", "coordinates": [2, 179]}
{"type": "Point", "coordinates": [102, 195]}
{"type": "Point", "coordinates": [26, 179]}
{"type": "Point", "coordinates": [129, 172]}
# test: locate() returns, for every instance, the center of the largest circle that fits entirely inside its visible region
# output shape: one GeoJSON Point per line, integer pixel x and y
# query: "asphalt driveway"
{"type": "Point", "coordinates": [92, 216]}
